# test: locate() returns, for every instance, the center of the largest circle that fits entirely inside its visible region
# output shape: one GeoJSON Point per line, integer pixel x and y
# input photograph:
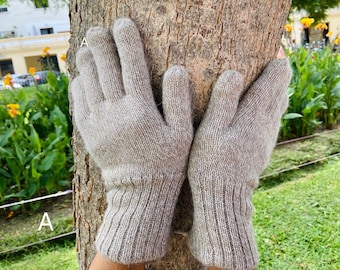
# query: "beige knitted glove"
{"type": "Point", "coordinates": [142, 157]}
{"type": "Point", "coordinates": [230, 150]}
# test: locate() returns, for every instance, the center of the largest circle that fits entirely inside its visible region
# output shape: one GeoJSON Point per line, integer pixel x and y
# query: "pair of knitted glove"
{"type": "Point", "coordinates": [144, 157]}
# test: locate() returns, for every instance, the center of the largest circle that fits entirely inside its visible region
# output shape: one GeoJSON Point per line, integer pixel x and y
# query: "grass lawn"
{"type": "Point", "coordinates": [60, 257]}
{"type": "Point", "coordinates": [23, 229]}
{"type": "Point", "coordinates": [296, 223]}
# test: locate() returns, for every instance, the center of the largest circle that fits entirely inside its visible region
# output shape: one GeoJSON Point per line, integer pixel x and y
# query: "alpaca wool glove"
{"type": "Point", "coordinates": [142, 156]}
{"type": "Point", "coordinates": [231, 149]}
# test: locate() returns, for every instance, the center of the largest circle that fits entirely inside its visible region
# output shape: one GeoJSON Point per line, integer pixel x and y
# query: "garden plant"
{"type": "Point", "coordinates": [314, 93]}
{"type": "Point", "coordinates": [35, 149]}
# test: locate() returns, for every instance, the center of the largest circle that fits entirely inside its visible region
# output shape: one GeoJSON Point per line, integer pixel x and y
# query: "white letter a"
{"type": "Point", "coordinates": [84, 43]}
{"type": "Point", "coordinates": [43, 223]}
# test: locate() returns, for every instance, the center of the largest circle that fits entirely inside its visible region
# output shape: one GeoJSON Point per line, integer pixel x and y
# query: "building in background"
{"type": "Point", "coordinates": [296, 37]}
{"type": "Point", "coordinates": [25, 30]}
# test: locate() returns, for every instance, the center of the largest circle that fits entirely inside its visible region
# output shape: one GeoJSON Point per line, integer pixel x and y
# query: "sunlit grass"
{"type": "Point", "coordinates": [297, 223]}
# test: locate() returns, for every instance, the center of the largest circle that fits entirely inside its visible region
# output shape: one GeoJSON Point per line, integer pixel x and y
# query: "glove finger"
{"type": "Point", "coordinates": [267, 97]}
{"type": "Point", "coordinates": [105, 56]}
{"type": "Point", "coordinates": [131, 53]}
{"type": "Point", "coordinates": [176, 99]}
{"type": "Point", "coordinates": [80, 107]}
{"type": "Point", "coordinates": [88, 71]}
{"type": "Point", "coordinates": [223, 101]}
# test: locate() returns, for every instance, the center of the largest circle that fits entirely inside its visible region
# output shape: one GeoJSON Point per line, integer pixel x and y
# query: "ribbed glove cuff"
{"type": "Point", "coordinates": [137, 222]}
{"type": "Point", "coordinates": [222, 233]}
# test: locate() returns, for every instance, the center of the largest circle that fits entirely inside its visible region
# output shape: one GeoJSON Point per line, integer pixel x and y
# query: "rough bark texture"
{"type": "Point", "coordinates": [205, 36]}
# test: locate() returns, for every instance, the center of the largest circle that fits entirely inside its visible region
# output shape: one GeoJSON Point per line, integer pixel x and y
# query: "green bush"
{"type": "Point", "coordinates": [314, 93]}
{"type": "Point", "coordinates": [328, 63]}
{"type": "Point", "coordinates": [35, 145]}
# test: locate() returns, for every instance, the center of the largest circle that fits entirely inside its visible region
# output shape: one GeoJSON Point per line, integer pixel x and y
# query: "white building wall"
{"type": "Point", "coordinates": [25, 19]}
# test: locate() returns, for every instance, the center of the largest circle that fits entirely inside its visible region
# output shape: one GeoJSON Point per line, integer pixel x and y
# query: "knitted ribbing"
{"type": "Point", "coordinates": [142, 156]}
{"type": "Point", "coordinates": [231, 148]}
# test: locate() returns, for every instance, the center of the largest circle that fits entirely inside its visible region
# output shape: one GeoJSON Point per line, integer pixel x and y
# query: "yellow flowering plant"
{"type": "Point", "coordinates": [32, 71]}
{"type": "Point", "coordinates": [329, 34]}
{"type": "Point", "coordinates": [35, 141]}
{"type": "Point", "coordinates": [321, 27]}
{"type": "Point", "coordinates": [288, 28]}
{"type": "Point", "coordinates": [63, 57]}
{"type": "Point", "coordinates": [307, 22]}
{"type": "Point", "coordinates": [314, 93]}
{"type": "Point", "coordinates": [46, 60]}
{"type": "Point", "coordinates": [46, 52]}
{"type": "Point", "coordinates": [8, 80]}
{"type": "Point", "coordinates": [13, 109]}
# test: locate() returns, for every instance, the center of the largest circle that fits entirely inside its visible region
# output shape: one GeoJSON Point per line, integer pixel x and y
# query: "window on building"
{"type": "Point", "coordinates": [50, 63]}
{"type": "Point", "coordinates": [46, 31]}
{"type": "Point", "coordinates": [6, 66]}
{"type": "Point", "coordinates": [3, 9]}
{"type": "Point", "coordinates": [41, 3]}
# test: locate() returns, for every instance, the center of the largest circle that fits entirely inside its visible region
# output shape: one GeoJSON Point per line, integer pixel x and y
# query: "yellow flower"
{"type": "Point", "coordinates": [329, 34]}
{"type": "Point", "coordinates": [46, 49]}
{"type": "Point", "coordinates": [45, 52]}
{"type": "Point", "coordinates": [288, 28]}
{"type": "Point", "coordinates": [63, 57]}
{"type": "Point", "coordinates": [336, 41]}
{"type": "Point", "coordinates": [321, 26]}
{"type": "Point", "coordinates": [32, 71]}
{"type": "Point", "coordinates": [8, 80]}
{"type": "Point", "coordinates": [13, 106]}
{"type": "Point", "coordinates": [307, 22]}
{"type": "Point", "coordinates": [13, 110]}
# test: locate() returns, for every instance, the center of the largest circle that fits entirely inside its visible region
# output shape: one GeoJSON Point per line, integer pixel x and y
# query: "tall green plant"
{"type": "Point", "coordinates": [35, 148]}
{"type": "Point", "coordinates": [306, 99]}
{"type": "Point", "coordinates": [328, 63]}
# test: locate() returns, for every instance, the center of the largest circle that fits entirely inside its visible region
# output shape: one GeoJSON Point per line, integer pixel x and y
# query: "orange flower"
{"type": "Point", "coordinates": [45, 52]}
{"type": "Point", "coordinates": [32, 71]}
{"type": "Point", "coordinates": [63, 57]}
{"type": "Point", "coordinates": [307, 22]}
{"type": "Point", "coordinates": [288, 28]}
{"type": "Point", "coordinates": [8, 80]}
{"type": "Point", "coordinates": [13, 106]}
{"type": "Point", "coordinates": [329, 34]}
{"type": "Point", "coordinates": [13, 110]}
{"type": "Point", "coordinates": [321, 26]}
{"type": "Point", "coordinates": [10, 214]}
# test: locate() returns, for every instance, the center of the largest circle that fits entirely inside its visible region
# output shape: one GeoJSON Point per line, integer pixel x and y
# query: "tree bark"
{"type": "Point", "coordinates": [205, 36]}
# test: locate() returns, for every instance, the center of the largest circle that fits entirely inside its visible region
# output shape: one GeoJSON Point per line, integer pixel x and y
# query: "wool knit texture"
{"type": "Point", "coordinates": [231, 149]}
{"type": "Point", "coordinates": [142, 155]}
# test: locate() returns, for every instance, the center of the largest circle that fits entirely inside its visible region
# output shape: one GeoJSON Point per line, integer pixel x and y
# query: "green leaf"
{"type": "Point", "coordinates": [4, 151]}
{"type": "Point", "coordinates": [35, 140]}
{"type": "Point", "coordinates": [336, 90]}
{"type": "Point", "coordinates": [5, 137]}
{"type": "Point", "coordinates": [289, 116]}
{"type": "Point", "coordinates": [48, 161]}
{"type": "Point", "coordinates": [52, 80]}
{"type": "Point", "coordinates": [5, 173]}
{"type": "Point", "coordinates": [64, 183]}
{"type": "Point", "coordinates": [19, 154]}
{"type": "Point", "coordinates": [3, 186]}
{"type": "Point", "coordinates": [35, 116]}
{"type": "Point", "coordinates": [58, 118]}
{"type": "Point", "coordinates": [47, 181]}
{"type": "Point", "coordinates": [20, 194]}
{"type": "Point", "coordinates": [32, 188]}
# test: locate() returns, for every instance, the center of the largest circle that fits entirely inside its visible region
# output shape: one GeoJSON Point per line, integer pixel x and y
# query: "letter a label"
{"type": "Point", "coordinates": [45, 221]}
{"type": "Point", "coordinates": [84, 43]}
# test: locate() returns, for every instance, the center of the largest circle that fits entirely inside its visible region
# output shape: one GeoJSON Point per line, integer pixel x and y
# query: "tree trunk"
{"type": "Point", "coordinates": [205, 36]}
